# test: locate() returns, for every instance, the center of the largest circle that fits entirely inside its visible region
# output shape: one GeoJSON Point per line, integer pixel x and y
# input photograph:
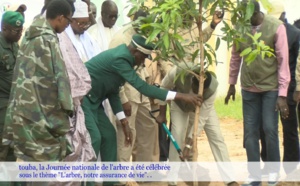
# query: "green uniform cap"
{"type": "Point", "coordinates": [139, 42]}
{"type": "Point", "coordinates": [14, 19]}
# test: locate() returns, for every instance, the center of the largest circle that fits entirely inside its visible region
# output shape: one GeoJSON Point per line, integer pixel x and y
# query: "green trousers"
{"type": "Point", "coordinates": [102, 132]}
{"type": "Point", "coordinates": [6, 152]}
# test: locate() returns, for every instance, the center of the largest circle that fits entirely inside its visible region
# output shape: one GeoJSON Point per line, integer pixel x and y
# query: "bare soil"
{"type": "Point", "coordinates": [233, 135]}
{"type": "Point", "coordinates": [232, 131]}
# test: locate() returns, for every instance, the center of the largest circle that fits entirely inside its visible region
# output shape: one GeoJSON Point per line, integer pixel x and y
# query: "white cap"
{"type": "Point", "coordinates": [277, 8]}
{"type": "Point", "coordinates": [81, 9]}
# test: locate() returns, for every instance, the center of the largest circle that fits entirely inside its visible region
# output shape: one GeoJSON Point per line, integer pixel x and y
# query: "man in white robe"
{"type": "Point", "coordinates": [105, 28]}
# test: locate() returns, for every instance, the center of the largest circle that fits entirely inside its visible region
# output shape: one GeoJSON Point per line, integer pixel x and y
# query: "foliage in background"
{"type": "Point", "coordinates": [234, 111]}
{"type": "Point", "coordinates": [169, 20]}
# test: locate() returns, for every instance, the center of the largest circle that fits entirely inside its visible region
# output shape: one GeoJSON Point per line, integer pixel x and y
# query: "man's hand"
{"type": "Point", "coordinates": [127, 132]}
{"type": "Point", "coordinates": [187, 148]}
{"type": "Point", "coordinates": [296, 96]}
{"type": "Point", "coordinates": [189, 98]}
{"type": "Point", "coordinates": [127, 108]}
{"type": "Point", "coordinates": [217, 18]}
{"type": "Point", "coordinates": [230, 93]}
{"type": "Point", "coordinates": [282, 107]}
{"type": "Point", "coordinates": [161, 118]}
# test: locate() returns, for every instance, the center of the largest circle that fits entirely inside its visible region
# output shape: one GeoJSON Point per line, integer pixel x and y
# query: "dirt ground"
{"type": "Point", "coordinates": [233, 135]}
{"type": "Point", "coordinates": [232, 131]}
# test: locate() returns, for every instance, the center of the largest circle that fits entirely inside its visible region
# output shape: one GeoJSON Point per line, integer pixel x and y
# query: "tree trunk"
{"type": "Point", "coordinates": [200, 92]}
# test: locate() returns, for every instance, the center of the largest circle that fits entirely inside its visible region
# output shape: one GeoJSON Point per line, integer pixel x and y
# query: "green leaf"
{"type": "Point", "coordinates": [166, 40]}
{"type": "Point", "coordinates": [246, 52]}
{"type": "Point", "coordinates": [263, 54]}
{"type": "Point", "coordinates": [157, 25]}
{"type": "Point", "coordinates": [270, 54]}
{"type": "Point", "coordinates": [194, 55]}
{"type": "Point", "coordinates": [213, 8]}
{"type": "Point", "coordinates": [257, 35]}
{"type": "Point", "coordinates": [181, 75]}
{"type": "Point", "coordinates": [209, 58]}
{"type": "Point", "coordinates": [205, 3]}
{"type": "Point", "coordinates": [132, 11]}
{"type": "Point", "coordinates": [227, 27]}
{"type": "Point", "coordinates": [251, 36]}
{"type": "Point", "coordinates": [251, 57]}
{"type": "Point", "coordinates": [249, 10]}
{"type": "Point", "coordinates": [145, 25]}
{"type": "Point", "coordinates": [266, 4]}
{"type": "Point", "coordinates": [218, 43]}
{"type": "Point", "coordinates": [153, 35]}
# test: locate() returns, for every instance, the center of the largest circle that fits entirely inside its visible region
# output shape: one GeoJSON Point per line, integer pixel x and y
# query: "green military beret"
{"type": "Point", "coordinates": [14, 19]}
{"type": "Point", "coordinates": [139, 42]}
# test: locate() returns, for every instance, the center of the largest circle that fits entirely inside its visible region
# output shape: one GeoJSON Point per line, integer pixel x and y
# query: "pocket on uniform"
{"type": "Point", "coordinates": [5, 62]}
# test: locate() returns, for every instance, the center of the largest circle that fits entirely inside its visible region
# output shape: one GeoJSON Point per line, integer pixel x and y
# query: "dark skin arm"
{"type": "Point", "coordinates": [127, 132]}
{"type": "Point", "coordinates": [230, 93]}
{"type": "Point", "coordinates": [161, 118]}
{"type": "Point", "coordinates": [282, 107]}
{"type": "Point", "coordinates": [187, 148]}
{"type": "Point", "coordinates": [127, 108]}
{"type": "Point", "coordinates": [189, 98]}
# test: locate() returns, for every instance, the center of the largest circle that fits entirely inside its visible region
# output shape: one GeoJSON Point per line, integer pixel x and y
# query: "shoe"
{"type": "Point", "coordinates": [264, 172]}
{"type": "Point", "coordinates": [272, 183]}
{"type": "Point", "coordinates": [253, 183]}
{"type": "Point", "coordinates": [273, 179]}
{"type": "Point", "coordinates": [233, 183]}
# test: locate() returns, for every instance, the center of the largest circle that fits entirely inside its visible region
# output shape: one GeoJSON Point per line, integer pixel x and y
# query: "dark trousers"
{"type": "Point", "coordinates": [259, 111]}
{"type": "Point", "coordinates": [290, 137]}
{"type": "Point", "coordinates": [164, 143]}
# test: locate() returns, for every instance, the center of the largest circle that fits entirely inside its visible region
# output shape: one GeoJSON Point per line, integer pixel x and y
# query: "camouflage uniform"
{"type": "Point", "coordinates": [40, 104]}
{"type": "Point", "coordinates": [8, 55]}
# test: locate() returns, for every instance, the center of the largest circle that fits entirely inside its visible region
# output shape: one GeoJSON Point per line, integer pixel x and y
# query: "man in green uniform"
{"type": "Point", "coordinates": [109, 70]}
{"type": "Point", "coordinates": [40, 103]}
{"type": "Point", "coordinates": [12, 26]}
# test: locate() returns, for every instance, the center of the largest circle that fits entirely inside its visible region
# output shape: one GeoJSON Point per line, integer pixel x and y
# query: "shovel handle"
{"type": "Point", "coordinates": [168, 132]}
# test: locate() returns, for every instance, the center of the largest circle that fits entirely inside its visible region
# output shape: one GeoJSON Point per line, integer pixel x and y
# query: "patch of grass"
{"type": "Point", "coordinates": [232, 110]}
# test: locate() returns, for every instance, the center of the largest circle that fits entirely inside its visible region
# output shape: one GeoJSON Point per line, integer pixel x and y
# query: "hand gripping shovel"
{"type": "Point", "coordinates": [173, 140]}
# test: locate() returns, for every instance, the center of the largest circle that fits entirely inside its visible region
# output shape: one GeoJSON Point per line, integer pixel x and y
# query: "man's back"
{"type": "Point", "coordinates": [103, 71]}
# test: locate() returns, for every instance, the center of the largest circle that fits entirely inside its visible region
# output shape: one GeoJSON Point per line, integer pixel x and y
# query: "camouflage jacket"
{"type": "Point", "coordinates": [40, 104]}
